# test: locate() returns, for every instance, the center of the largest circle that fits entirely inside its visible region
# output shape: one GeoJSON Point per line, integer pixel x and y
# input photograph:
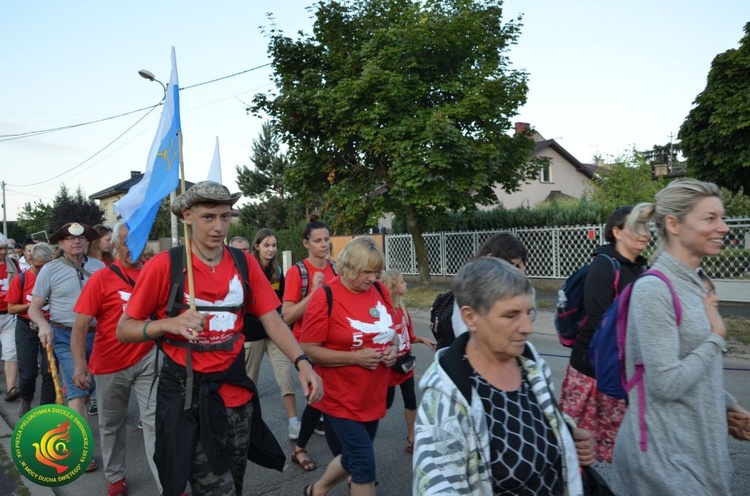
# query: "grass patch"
{"type": "Point", "coordinates": [738, 329]}
{"type": "Point", "coordinates": [421, 298]}
{"type": "Point", "coordinates": [13, 473]}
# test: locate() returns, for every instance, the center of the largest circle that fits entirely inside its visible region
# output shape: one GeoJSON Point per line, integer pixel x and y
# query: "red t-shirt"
{"type": "Point", "coordinates": [220, 288]}
{"type": "Point", "coordinates": [358, 320]}
{"type": "Point", "coordinates": [4, 286]}
{"type": "Point", "coordinates": [21, 296]}
{"type": "Point", "coordinates": [293, 287]}
{"type": "Point", "coordinates": [405, 331]}
{"type": "Point", "coordinates": [104, 297]}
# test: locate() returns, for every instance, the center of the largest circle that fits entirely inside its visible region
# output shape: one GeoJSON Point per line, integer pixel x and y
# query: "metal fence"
{"type": "Point", "coordinates": [555, 252]}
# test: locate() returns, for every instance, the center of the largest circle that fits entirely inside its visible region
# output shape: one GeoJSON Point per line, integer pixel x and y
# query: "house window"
{"type": "Point", "coordinates": [546, 176]}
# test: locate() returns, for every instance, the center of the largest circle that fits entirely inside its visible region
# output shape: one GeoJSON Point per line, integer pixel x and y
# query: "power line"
{"type": "Point", "coordinates": [150, 109]}
{"type": "Point", "coordinates": [10, 137]}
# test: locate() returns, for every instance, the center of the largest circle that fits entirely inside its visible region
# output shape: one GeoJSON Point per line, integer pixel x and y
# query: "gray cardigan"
{"type": "Point", "coordinates": [685, 399]}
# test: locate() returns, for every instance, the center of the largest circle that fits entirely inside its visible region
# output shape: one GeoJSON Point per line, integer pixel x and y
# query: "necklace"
{"type": "Point", "coordinates": [211, 262]}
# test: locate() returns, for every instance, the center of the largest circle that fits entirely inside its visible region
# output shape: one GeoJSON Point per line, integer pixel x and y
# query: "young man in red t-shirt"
{"type": "Point", "coordinates": [118, 367]}
{"type": "Point", "coordinates": [203, 401]}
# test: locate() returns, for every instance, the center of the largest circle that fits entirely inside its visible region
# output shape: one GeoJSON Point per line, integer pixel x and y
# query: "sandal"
{"type": "Point", "coordinates": [305, 491]}
{"type": "Point", "coordinates": [92, 466]}
{"type": "Point", "coordinates": [12, 394]}
{"type": "Point", "coordinates": [409, 448]}
{"type": "Point", "coordinates": [305, 463]}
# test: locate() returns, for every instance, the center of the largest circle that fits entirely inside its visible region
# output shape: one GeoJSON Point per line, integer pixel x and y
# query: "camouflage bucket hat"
{"type": "Point", "coordinates": [204, 192]}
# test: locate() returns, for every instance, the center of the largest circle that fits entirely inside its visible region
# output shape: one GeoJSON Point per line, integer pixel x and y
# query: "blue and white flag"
{"type": "Point", "coordinates": [214, 173]}
{"type": "Point", "coordinates": [139, 207]}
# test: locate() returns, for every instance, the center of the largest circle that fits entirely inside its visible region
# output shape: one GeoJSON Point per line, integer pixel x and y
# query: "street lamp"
{"type": "Point", "coordinates": [145, 74]}
{"type": "Point", "coordinates": [174, 229]}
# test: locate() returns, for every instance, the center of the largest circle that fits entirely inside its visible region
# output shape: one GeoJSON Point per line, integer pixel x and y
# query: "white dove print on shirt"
{"type": "Point", "coordinates": [223, 321]}
{"type": "Point", "coordinates": [382, 327]}
{"type": "Point", "coordinates": [125, 297]}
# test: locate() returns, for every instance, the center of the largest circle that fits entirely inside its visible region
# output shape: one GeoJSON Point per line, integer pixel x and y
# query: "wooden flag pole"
{"type": "Point", "coordinates": [188, 244]}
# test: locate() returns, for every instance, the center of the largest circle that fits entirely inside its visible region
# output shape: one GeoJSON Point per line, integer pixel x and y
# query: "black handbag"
{"type": "Point", "coordinates": [405, 363]}
{"type": "Point", "coordinates": [594, 484]}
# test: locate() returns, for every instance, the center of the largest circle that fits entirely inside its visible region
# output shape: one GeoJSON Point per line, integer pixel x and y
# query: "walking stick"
{"type": "Point", "coordinates": [53, 373]}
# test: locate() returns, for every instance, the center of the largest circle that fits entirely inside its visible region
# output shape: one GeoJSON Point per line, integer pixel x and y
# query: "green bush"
{"type": "Point", "coordinates": [568, 212]}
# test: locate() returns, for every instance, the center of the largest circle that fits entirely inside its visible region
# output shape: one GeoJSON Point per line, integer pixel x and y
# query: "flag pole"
{"type": "Point", "coordinates": [188, 244]}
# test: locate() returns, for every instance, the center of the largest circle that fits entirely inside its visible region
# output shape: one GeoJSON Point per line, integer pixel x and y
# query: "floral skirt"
{"type": "Point", "coordinates": [592, 410]}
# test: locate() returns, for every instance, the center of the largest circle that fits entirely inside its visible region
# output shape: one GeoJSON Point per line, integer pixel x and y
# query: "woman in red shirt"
{"type": "Point", "coordinates": [32, 356]}
{"type": "Point", "coordinates": [348, 332]}
{"type": "Point", "coordinates": [301, 283]}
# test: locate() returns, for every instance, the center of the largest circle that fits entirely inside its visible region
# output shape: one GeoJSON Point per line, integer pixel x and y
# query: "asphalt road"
{"type": "Point", "coordinates": [393, 464]}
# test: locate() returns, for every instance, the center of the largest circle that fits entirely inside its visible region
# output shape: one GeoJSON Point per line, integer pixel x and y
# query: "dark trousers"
{"type": "Point", "coordinates": [31, 358]}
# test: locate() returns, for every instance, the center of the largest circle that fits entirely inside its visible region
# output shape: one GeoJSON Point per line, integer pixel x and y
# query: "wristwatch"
{"type": "Point", "coordinates": [299, 359]}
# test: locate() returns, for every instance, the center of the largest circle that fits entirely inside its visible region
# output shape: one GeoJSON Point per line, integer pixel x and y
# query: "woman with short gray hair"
{"type": "Point", "coordinates": [488, 398]}
{"type": "Point", "coordinates": [32, 357]}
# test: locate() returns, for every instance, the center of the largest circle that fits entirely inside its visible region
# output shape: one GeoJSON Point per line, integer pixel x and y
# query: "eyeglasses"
{"type": "Point", "coordinates": [75, 238]}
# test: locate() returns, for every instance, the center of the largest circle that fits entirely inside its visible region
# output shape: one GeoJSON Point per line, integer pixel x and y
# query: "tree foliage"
{"type": "Point", "coordinates": [273, 206]}
{"type": "Point", "coordinates": [74, 208]}
{"type": "Point", "coordinates": [663, 154]}
{"type": "Point", "coordinates": [627, 182]}
{"type": "Point", "coordinates": [35, 218]}
{"type": "Point", "coordinates": [716, 133]}
{"type": "Point", "coordinates": [736, 203]}
{"type": "Point", "coordinates": [400, 106]}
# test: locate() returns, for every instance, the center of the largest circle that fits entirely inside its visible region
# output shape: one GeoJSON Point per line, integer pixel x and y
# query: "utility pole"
{"type": "Point", "coordinates": [5, 211]}
{"type": "Point", "coordinates": [671, 151]}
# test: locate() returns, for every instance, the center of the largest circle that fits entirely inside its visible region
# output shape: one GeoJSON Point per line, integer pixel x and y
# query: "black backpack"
{"type": "Point", "coordinates": [178, 261]}
{"type": "Point", "coordinates": [440, 319]}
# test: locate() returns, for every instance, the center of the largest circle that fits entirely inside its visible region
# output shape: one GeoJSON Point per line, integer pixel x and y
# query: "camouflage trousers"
{"type": "Point", "coordinates": [202, 480]}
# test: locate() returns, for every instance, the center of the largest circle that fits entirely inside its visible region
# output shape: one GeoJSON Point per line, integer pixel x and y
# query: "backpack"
{"type": "Point", "coordinates": [305, 276]}
{"type": "Point", "coordinates": [571, 316]}
{"type": "Point", "coordinates": [607, 351]}
{"type": "Point", "coordinates": [177, 262]}
{"type": "Point", "coordinates": [440, 320]}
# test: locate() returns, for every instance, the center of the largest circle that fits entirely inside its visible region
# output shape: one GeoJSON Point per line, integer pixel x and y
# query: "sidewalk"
{"type": "Point", "coordinates": [12, 483]}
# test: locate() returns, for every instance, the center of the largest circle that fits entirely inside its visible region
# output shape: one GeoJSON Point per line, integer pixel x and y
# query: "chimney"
{"type": "Point", "coordinates": [134, 174]}
{"type": "Point", "coordinates": [522, 127]}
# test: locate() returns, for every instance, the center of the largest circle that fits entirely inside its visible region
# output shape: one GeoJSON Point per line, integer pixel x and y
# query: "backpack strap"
{"type": "Point", "coordinates": [304, 278]}
{"type": "Point", "coordinates": [122, 276]}
{"type": "Point", "coordinates": [329, 295]}
{"type": "Point", "coordinates": [640, 369]}
{"type": "Point", "coordinates": [616, 268]}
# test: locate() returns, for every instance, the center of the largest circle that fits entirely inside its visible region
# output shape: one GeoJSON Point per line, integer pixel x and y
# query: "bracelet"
{"type": "Point", "coordinates": [299, 359]}
{"type": "Point", "coordinates": [146, 337]}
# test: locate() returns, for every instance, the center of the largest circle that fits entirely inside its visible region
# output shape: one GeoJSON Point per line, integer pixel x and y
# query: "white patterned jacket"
{"type": "Point", "coordinates": [452, 445]}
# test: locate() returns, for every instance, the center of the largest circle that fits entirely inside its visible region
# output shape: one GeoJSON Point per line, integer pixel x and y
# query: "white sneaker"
{"type": "Point", "coordinates": [294, 431]}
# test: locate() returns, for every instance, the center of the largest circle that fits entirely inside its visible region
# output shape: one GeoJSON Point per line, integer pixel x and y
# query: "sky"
{"type": "Point", "coordinates": [604, 77]}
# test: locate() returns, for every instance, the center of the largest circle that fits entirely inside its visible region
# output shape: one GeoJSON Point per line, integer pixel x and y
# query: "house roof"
{"type": "Point", "coordinates": [123, 187]}
{"type": "Point", "coordinates": [588, 170]}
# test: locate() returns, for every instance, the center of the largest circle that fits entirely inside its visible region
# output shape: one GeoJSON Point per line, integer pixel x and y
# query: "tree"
{"type": "Point", "coordinates": [400, 106]}
{"type": "Point", "coordinates": [716, 133]}
{"type": "Point", "coordinates": [35, 218]}
{"type": "Point", "coordinates": [274, 207]}
{"type": "Point", "coordinates": [627, 182]}
{"type": "Point", "coordinates": [78, 208]}
{"type": "Point", "coordinates": [663, 154]}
